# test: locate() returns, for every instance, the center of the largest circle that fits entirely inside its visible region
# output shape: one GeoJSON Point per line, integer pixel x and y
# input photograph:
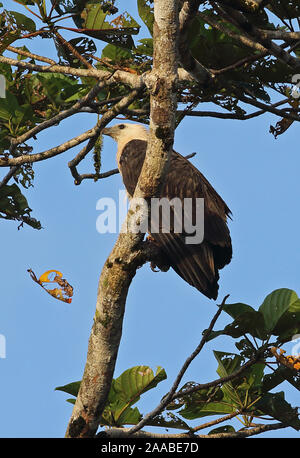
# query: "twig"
{"type": "Point", "coordinates": [119, 76]}
{"type": "Point", "coordinates": [125, 433]}
{"type": "Point", "coordinates": [269, 108]}
{"type": "Point", "coordinates": [216, 382]}
{"type": "Point", "coordinates": [106, 118]}
{"type": "Point", "coordinates": [109, 173]}
{"type": "Point", "coordinates": [22, 52]}
{"type": "Point", "coordinates": [215, 422]}
{"type": "Point", "coordinates": [9, 175]}
{"type": "Point", "coordinates": [166, 399]}
{"type": "Point", "coordinates": [245, 432]}
{"type": "Point", "coordinates": [212, 20]}
{"type": "Point", "coordinates": [250, 31]}
{"type": "Point", "coordinates": [71, 49]}
{"type": "Point", "coordinates": [99, 176]}
{"type": "Point", "coordinates": [30, 158]}
{"type": "Point", "coordinates": [216, 114]}
{"type": "Point", "coordinates": [189, 156]}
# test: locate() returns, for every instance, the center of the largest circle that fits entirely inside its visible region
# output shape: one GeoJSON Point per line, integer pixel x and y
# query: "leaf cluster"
{"type": "Point", "coordinates": [246, 394]}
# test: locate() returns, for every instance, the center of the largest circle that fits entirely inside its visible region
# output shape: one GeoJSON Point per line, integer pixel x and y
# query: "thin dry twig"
{"type": "Point", "coordinates": [216, 382]}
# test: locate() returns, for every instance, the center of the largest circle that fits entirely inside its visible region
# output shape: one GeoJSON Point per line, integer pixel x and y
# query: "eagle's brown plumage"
{"type": "Point", "coordinates": [198, 264]}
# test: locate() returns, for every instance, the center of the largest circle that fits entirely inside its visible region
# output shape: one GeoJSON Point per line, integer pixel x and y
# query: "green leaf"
{"type": "Point", "coordinates": [246, 320]}
{"type": "Point", "coordinates": [192, 412]}
{"type": "Point", "coordinates": [8, 40]}
{"type": "Point", "coordinates": [276, 303]}
{"type": "Point", "coordinates": [57, 87]}
{"type": "Point", "coordinates": [222, 429]}
{"type": "Point", "coordinates": [277, 407]}
{"type": "Point", "coordinates": [8, 106]}
{"type": "Point", "coordinates": [146, 13]}
{"type": "Point", "coordinates": [254, 376]}
{"type": "Point", "coordinates": [250, 322]}
{"type": "Point", "coordinates": [115, 53]}
{"type": "Point", "coordinates": [146, 47]}
{"type": "Point", "coordinates": [129, 417]}
{"type": "Point", "coordinates": [170, 421]}
{"type": "Point", "coordinates": [237, 309]}
{"type": "Point", "coordinates": [214, 334]}
{"type": "Point", "coordinates": [126, 391]}
{"type": "Point", "coordinates": [136, 381]}
{"type": "Point", "coordinates": [92, 22]}
{"type": "Point", "coordinates": [14, 206]}
{"type": "Point", "coordinates": [229, 363]}
{"type": "Point", "coordinates": [288, 325]}
{"type": "Point", "coordinates": [23, 22]}
{"type": "Point", "coordinates": [280, 375]}
{"type": "Point", "coordinates": [70, 388]}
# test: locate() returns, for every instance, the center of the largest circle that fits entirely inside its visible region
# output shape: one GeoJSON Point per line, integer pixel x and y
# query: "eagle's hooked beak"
{"type": "Point", "coordinates": [106, 131]}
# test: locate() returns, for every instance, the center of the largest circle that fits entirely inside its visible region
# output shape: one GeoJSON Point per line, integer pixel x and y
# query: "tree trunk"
{"type": "Point", "coordinates": [127, 254]}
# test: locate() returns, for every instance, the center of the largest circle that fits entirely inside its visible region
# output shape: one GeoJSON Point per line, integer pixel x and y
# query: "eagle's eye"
{"type": "Point", "coordinates": [121, 126]}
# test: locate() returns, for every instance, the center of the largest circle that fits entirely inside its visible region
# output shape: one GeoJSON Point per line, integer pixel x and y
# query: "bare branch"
{"type": "Point", "coordinates": [215, 422]}
{"type": "Point", "coordinates": [220, 115]}
{"type": "Point", "coordinates": [109, 173]}
{"type": "Point", "coordinates": [250, 31]}
{"type": "Point", "coordinates": [131, 79]}
{"type": "Point", "coordinates": [126, 432]}
{"type": "Point", "coordinates": [216, 382]}
{"type": "Point", "coordinates": [245, 432]}
{"type": "Point", "coordinates": [22, 52]}
{"type": "Point", "coordinates": [8, 176]}
{"type": "Point", "coordinates": [30, 158]}
{"type": "Point", "coordinates": [95, 176]}
{"type": "Point", "coordinates": [269, 108]}
{"type": "Point", "coordinates": [279, 34]}
{"type": "Point", "coordinates": [213, 21]}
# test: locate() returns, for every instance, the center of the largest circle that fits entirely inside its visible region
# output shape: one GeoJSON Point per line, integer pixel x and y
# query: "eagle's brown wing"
{"type": "Point", "coordinates": [198, 264]}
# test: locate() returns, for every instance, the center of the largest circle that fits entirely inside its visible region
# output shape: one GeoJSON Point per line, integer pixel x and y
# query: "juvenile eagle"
{"type": "Point", "coordinates": [198, 264]}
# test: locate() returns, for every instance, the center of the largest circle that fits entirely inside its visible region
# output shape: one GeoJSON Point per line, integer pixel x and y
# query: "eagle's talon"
{"type": "Point", "coordinates": [153, 267]}
{"type": "Point", "coordinates": [149, 238]}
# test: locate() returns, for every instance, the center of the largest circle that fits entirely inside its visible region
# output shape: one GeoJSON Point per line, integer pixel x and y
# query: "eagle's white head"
{"type": "Point", "coordinates": [119, 132]}
{"type": "Point", "coordinates": [124, 133]}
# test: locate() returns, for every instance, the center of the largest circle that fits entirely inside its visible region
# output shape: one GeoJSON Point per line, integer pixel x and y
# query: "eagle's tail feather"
{"type": "Point", "coordinates": [194, 263]}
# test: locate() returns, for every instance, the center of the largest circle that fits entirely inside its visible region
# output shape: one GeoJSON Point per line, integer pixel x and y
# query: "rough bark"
{"type": "Point", "coordinates": [127, 254]}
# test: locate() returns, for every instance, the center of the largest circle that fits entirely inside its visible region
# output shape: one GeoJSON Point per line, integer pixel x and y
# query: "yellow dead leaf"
{"type": "Point", "coordinates": [45, 276]}
{"type": "Point", "coordinates": [65, 290]}
{"type": "Point", "coordinates": [293, 362]}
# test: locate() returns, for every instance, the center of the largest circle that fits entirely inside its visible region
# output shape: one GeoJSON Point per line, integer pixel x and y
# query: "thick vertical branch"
{"type": "Point", "coordinates": [126, 255]}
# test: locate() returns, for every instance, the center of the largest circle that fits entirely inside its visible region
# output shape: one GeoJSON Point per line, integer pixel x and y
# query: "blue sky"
{"type": "Point", "coordinates": [46, 340]}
